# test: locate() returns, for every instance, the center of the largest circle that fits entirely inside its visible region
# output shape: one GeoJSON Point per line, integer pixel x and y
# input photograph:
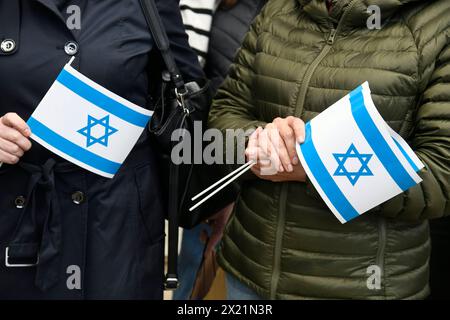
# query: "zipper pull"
{"type": "Point", "coordinates": [331, 37]}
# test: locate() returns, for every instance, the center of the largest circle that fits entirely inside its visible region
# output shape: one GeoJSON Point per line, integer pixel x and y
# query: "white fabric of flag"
{"type": "Point", "coordinates": [87, 124]}
{"type": "Point", "coordinates": [354, 159]}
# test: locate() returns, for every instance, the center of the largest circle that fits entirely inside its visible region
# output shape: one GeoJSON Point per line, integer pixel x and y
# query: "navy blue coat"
{"type": "Point", "coordinates": [108, 232]}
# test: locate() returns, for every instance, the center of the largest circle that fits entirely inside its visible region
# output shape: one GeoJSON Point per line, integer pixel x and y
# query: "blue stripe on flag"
{"type": "Point", "coordinates": [71, 149]}
{"type": "Point", "coordinates": [101, 100]}
{"type": "Point", "coordinates": [325, 180]}
{"type": "Point", "coordinates": [405, 154]}
{"type": "Point", "coordinates": [377, 142]}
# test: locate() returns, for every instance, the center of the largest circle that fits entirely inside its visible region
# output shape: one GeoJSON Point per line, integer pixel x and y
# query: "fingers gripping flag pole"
{"type": "Point", "coordinates": [354, 159]}
{"type": "Point", "coordinates": [87, 124]}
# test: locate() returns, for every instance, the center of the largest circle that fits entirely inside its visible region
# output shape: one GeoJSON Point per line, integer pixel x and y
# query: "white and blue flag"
{"type": "Point", "coordinates": [354, 159]}
{"type": "Point", "coordinates": [87, 124]}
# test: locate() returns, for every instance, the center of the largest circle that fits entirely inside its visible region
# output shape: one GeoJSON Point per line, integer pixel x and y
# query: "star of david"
{"type": "Point", "coordinates": [91, 137]}
{"type": "Point", "coordinates": [353, 176]}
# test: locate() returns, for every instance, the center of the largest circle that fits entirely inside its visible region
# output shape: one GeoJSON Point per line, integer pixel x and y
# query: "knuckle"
{"type": "Point", "coordinates": [10, 115]}
{"type": "Point", "coordinates": [300, 121]}
{"type": "Point", "coordinates": [288, 134]}
{"type": "Point", "coordinates": [13, 159]}
{"type": "Point", "coordinates": [15, 148]}
{"type": "Point", "coordinates": [277, 119]}
{"type": "Point", "coordinates": [15, 136]}
{"type": "Point", "coordinates": [27, 144]}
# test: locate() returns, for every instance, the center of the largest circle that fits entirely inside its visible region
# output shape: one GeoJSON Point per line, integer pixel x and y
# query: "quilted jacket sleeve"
{"type": "Point", "coordinates": [431, 142]}
{"type": "Point", "coordinates": [233, 106]}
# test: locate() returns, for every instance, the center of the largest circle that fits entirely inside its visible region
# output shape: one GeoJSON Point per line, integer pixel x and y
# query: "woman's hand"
{"type": "Point", "coordinates": [274, 150]}
{"type": "Point", "coordinates": [283, 134]}
{"type": "Point", "coordinates": [14, 138]}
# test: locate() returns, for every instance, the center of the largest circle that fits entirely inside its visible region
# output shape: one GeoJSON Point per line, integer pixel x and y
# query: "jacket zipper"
{"type": "Point", "coordinates": [279, 241]}
{"type": "Point", "coordinates": [381, 247]}
{"type": "Point", "coordinates": [312, 68]}
{"type": "Point", "coordinates": [310, 71]}
{"type": "Point", "coordinates": [284, 188]}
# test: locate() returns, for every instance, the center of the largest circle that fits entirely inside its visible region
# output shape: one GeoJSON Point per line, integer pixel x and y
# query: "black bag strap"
{"type": "Point", "coordinates": [172, 281]}
{"type": "Point", "coordinates": [162, 42]}
{"type": "Point", "coordinates": [161, 39]}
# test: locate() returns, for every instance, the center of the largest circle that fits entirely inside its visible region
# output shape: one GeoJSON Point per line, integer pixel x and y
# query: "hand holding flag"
{"type": "Point", "coordinates": [269, 163]}
{"type": "Point", "coordinates": [14, 142]}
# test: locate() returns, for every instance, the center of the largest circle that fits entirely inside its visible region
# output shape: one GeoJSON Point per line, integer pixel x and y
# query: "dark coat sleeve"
{"type": "Point", "coordinates": [185, 57]}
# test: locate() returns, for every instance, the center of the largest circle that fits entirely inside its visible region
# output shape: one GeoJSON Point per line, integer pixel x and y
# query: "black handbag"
{"type": "Point", "coordinates": [179, 106]}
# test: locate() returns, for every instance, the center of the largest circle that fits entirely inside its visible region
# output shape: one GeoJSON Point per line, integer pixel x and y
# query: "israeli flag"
{"type": "Point", "coordinates": [354, 159]}
{"type": "Point", "coordinates": [87, 124]}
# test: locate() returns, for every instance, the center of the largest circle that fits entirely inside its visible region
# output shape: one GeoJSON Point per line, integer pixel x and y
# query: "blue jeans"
{"type": "Point", "coordinates": [236, 290]}
{"type": "Point", "coordinates": [189, 260]}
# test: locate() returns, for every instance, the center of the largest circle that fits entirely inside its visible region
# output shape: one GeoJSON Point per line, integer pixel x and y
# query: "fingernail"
{"type": "Point", "coordinates": [280, 169]}
{"type": "Point", "coordinates": [301, 139]}
{"type": "Point", "coordinates": [290, 168]}
{"type": "Point", "coordinates": [295, 161]}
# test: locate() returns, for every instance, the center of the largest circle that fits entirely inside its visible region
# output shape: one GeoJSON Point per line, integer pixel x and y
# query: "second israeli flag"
{"type": "Point", "coordinates": [87, 124]}
{"type": "Point", "coordinates": [354, 159]}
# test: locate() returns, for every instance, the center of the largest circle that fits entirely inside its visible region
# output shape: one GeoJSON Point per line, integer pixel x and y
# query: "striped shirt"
{"type": "Point", "coordinates": [197, 17]}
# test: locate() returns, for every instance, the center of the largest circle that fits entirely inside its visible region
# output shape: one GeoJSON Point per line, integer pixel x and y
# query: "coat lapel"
{"type": "Point", "coordinates": [51, 5]}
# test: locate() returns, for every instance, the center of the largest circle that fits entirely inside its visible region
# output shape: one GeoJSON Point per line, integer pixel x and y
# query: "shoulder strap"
{"type": "Point", "coordinates": [161, 39]}
{"type": "Point", "coordinates": [162, 42]}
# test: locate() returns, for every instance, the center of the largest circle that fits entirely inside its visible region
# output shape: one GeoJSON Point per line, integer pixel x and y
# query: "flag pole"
{"type": "Point", "coordinates": [70, 61]}
{"type": "Point", "coordinates": [222, 180]}
{"type": "Point", "coordinates": [240, 171]}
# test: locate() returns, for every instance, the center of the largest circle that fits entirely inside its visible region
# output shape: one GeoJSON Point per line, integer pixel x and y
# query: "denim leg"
{"type": "Point", "coordinates": [236, 290]}
{"type": "Point", "coordinates": [189, 261]}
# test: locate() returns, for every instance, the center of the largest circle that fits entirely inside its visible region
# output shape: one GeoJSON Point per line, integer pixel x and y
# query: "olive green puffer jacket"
{"type": "Point", "coordinates": [297, 59]}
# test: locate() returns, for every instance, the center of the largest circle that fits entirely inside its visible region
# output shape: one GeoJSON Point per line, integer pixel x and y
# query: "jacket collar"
{"type": "Point", "coordinates": [357, 15]}
{"type": "Point", "coordinates": [53, 7]}
{"type": "Point", "coordinates": [51, 4]}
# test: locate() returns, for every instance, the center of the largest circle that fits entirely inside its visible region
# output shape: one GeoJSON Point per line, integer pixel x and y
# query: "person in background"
{"type": "Point", "coordinates": [216, 30]}
{"type": "Point", "coordinates": [197, 18]}
{"type": "Point", "coordinates": [300, 57]}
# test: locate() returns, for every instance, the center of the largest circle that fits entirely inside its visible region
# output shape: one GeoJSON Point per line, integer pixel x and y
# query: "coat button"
{"type": "Point", "coordinates": [78, 197]}
{"type": "Point", "coordinates": [71, 48]}
{"type": "Point", "coordinates": [20, 202]}
{"type": "Point", "coordinates": [8, 45]}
